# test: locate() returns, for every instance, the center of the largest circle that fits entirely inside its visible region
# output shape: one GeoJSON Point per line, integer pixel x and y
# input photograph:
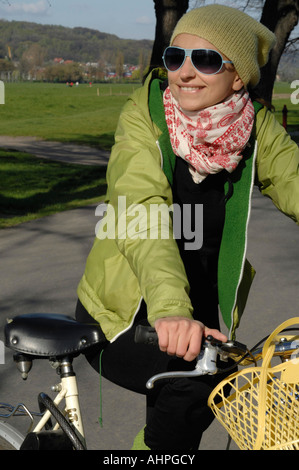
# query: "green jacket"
{"type": "Point", "coordinates": [122, 270]}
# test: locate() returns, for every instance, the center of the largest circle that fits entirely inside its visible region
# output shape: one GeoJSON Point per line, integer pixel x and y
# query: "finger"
{"type": "Point", "coordinates": [194, 347]}
{"type": "Point", "coordinates": [182, 345]}
{"type": "Point", "coordinates": [170, 337]}
{"type": "Point", "coordinates": [163, 339]}
{"type": "Point", "coordinates": [179, 337]}
{"type": "Point", "coordinates": [215, 333]}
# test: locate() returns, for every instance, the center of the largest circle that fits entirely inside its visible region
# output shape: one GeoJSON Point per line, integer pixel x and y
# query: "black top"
{"type": "Point", "coordinates": [201, 263]}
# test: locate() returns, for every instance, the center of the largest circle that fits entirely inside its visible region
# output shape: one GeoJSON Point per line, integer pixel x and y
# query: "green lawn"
{"type": "Point", "coordinates": [282, 88]}
{"type": "Point", "coordinates": [82, 114]}
{"type": "Point", "coordinates": [33, 188]}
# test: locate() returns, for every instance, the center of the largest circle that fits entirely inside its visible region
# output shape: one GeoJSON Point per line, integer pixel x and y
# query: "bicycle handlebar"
{"type": "Point", "coordinates": [206, 361]}
{"type": "Point", "coordinates": [146, 335]}
{"type": "Point", "coordinates": [211, 349]}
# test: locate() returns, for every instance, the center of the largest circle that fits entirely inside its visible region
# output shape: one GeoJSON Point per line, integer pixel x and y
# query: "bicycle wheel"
{"type": "Point", "coordinates": [10, 438]}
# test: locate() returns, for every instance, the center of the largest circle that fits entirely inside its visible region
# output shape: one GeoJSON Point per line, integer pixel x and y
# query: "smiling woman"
{"type": "Point", "coordinates": [190, 137]}
{"type": "Point", "coordinates": [194, 89]}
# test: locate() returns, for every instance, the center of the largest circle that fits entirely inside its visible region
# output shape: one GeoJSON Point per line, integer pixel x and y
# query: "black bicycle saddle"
{"type": "Point", "coordinates": [50, 335]}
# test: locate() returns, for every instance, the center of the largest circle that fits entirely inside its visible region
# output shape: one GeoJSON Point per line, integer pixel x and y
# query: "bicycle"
{"type": "Point", "coordinates": [262, 410]}
{"type": "Point", "coordinates": [60, 339]}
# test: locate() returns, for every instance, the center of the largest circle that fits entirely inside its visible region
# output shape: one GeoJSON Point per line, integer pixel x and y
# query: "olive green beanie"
{"type": "Point", "coordinates": [239, 37]}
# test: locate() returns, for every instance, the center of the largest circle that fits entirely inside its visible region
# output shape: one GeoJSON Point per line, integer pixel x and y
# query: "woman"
{"type": "Point", "coordinates": [191, 141]}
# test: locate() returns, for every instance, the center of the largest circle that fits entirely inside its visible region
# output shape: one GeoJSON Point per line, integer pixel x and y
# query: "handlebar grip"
{"type": "Point", "coordinates": [146, 335]}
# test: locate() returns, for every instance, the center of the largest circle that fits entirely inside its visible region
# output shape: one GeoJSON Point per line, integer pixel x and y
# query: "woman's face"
{"type": "Point", "coordinates": [195, 91]}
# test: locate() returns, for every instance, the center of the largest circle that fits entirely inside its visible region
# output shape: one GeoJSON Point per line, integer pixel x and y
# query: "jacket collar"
{"type": "Point", "coordinates": [156, 108]}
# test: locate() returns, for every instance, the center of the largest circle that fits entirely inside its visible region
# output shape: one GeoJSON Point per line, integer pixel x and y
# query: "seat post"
{"type": "Point", "coordinates": [66, 368]}
{"type": "Point", "coordinates": [72, 405]}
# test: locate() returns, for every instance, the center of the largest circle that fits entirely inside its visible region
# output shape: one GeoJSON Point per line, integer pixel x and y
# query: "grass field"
{"type": "Point", "coordinates": [282, 97]}
{"type": "Point", "coordinates": [82, 114]}
{"type": "Point", "coordinates": [32, 188]}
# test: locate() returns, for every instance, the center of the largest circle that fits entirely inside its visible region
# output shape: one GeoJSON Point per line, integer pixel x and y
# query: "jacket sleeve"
{"type": "Point", "coordinates": [278, 165]}
{"type": "Point", "coordinates": [135, 174]}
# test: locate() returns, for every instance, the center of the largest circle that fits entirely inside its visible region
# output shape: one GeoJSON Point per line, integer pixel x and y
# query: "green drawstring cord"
{"type": "Point", "coordinates": [101, 397]}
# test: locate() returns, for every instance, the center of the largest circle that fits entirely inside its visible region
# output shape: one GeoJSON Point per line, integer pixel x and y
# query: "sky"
{"type": "Point", "coordinates": [128, 19]}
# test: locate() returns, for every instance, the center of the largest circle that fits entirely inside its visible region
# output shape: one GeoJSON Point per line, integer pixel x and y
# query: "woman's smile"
{"type": "Point", "coordinates": [190, 89]}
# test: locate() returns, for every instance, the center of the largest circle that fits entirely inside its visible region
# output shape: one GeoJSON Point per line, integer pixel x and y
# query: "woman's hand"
{"type": "Point", "coordinates": [182, 337]}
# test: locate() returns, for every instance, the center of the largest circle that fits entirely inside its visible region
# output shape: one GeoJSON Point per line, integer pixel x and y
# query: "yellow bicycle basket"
{"type": "Point", "coordinates": [262, 410]}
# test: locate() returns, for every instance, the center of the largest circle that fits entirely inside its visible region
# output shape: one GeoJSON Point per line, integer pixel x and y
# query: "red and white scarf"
{"type": "Point", "coordinates": [212, 139]}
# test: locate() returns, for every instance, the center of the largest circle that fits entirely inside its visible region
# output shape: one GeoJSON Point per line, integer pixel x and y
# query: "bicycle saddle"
{"type": "Point", "coordinates": [50, 335]}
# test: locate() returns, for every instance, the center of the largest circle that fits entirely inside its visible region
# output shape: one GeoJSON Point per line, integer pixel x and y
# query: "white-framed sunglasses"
{"type": "Point", "coordinates": [207, 61]}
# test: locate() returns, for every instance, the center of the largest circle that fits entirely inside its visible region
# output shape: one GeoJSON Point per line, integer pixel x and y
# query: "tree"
{"type": "Point", "coordinates": [119, 64]}
{"type": "Point", "coordinates": [63, 73]}
{"type": "Point", "coordinates": [32, 59]}
{"type": "Point", "coordinates": [280, 16]}
{"type": "Point", "coordinates": [168, 12]}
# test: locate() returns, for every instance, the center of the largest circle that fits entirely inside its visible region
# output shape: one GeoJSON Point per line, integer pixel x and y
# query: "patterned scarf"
{"type": "Point", "coordinates": [212, 139]}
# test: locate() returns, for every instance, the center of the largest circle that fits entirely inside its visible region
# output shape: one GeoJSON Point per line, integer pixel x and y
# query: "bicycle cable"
{"type": "Point", "coordinates": [250, 352]}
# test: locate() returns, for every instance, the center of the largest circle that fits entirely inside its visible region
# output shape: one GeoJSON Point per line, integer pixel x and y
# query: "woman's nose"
{"type": "Point", "coordinates": [187, 70]}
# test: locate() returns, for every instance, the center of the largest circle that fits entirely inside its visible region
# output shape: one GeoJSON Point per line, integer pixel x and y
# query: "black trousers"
{"type": "Point", "coordinates": [176, 409]}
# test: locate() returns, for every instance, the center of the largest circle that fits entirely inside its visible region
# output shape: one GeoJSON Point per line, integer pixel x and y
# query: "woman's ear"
{"type": "Point", "coordinates": [237, 84]}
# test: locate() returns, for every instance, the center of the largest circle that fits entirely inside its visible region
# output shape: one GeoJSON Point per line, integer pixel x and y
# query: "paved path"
{"type": "Point", "coordinates": [41, 264]}
{"type": "Point", "coordinates": [71, 153]}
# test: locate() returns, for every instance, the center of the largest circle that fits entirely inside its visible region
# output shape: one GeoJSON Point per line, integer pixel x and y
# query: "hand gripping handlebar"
{"type": "Point", "coordinates": [206, 361]}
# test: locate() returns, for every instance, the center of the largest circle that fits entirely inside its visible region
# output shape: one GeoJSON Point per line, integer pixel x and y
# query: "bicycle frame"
{"type": "Point", "coordinates": [65, 409]}
{"type": "Point", "coordinates": [67, 390]}
{"type": "Point", "coordinates": [59, 339]}
{"type": "Point", "coordinates": [69, 432]}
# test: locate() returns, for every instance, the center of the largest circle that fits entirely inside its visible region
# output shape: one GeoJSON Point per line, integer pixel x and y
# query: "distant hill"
{"type": "Point", "coordinates": [78, 44]}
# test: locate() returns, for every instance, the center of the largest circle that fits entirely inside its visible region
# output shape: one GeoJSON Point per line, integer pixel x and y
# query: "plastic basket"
{"type": "Point", "coordinates": [262, 410]}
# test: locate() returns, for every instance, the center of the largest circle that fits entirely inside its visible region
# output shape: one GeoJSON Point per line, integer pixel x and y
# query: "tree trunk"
{"type": "Point", "coordinates": [168, 12]}
{"type": "Point", "coordinates": [281, 17]}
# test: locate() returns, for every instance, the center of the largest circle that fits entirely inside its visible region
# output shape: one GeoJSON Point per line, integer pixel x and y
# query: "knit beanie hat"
{"type": "Point", "coordinates": [239, 37]}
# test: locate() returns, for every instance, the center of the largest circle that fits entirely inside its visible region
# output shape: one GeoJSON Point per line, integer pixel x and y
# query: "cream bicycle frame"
{"type": "Point", "coordinates": [68, 391]}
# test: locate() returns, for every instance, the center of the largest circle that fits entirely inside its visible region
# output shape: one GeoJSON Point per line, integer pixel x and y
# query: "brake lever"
{"type": "Point", "coordinates": [205, 365]}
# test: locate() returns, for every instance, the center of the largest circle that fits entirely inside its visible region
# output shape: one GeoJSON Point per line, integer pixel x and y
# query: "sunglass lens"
{"type": "Point", "coordinates": [206, 61]}
{"type": "Point", "coordinates": [173, 58]}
